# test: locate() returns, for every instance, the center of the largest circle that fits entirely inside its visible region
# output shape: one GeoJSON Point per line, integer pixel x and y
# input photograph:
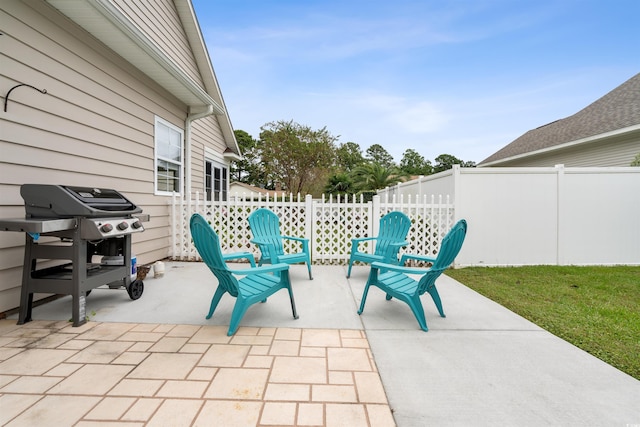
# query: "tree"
{"type": "Point", "coordinates": [248, 169]}
{"type": "Point", "coordinates": [413, 163]}
{"type": "Point", "coordinates": [340, 184]}
{"type": "Point", "coordinates": [374, 176]}
{"type": "Point", "coordinates": [294, 155]}
{"type": "Point", "coordinates": [377, 154]}
{"type": "Point", "coordinates": [446, 161]}
{"type": "Point", "coordinates": [636, 161]}
{"type": "Point", "coordinates": [348, 156]}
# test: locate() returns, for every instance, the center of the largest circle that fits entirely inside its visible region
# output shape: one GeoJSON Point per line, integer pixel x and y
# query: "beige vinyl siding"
{"type": "Point", "coordinates": [94, 127]}
{"type": "Point", "coordinates": [611, 153]}
{"type": "Point", "coordinates": [159, 21]}
{"type": "Point", "coordinates": [205, 133]}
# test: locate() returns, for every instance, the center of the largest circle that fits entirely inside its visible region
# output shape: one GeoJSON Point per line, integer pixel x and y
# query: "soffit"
{"type": "Point", "coordinates": [105, 22]}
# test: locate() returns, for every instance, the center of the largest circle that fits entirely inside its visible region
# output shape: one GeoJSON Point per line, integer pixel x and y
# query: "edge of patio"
{"type": "Point", "coordinates": [482, 365]}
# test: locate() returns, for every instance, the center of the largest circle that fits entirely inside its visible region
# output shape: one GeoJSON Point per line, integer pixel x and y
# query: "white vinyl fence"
{"type": "Point", "coordinates": [329, 224]}
{"type": "Point", "coordinates": [540, 215]}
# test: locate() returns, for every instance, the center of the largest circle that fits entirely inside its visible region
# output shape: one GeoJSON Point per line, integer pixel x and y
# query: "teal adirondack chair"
{"type": "Point", "coordinates": [394, 227]}
{"type": "Point", "coordinates": [265, 227]}
{"type": "Point", "coordinates": [395, 282]}
{"type": "Point", "coordinates": [257, 284]}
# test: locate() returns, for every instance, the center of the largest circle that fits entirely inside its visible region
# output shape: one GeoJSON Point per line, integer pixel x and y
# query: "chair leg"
{"type": "Point", "coordinates": [373, 278]}
{"type": "Point", "coordinates": [364, 297]}
{"type": "Point", "coordinates": [215, 300]}
{"type": "Point", "coordinates": [286, 282]}
{"type": "Point", "coordinates": [418, 311]}
{"type": "Point", "coordinates": [239, 309]}
{"type": "Point", "coordinates": [309, 268]}
{"type": "Point", "coordinates": [350, 265]}
{"type": "Point", "coordinates": [293, 302]}
{"type": "Point", "coordinates": [436, 299]}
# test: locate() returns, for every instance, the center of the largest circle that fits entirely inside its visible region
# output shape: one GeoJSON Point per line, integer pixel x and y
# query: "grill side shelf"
{"type": "Point", "coordinates": [28, 225]}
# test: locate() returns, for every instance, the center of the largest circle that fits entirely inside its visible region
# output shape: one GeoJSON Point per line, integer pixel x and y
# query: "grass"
{"type": "Point", "coordinates": [595, 308]}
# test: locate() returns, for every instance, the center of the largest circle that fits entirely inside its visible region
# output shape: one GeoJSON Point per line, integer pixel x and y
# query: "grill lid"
{"type": "Point", "coordinates": [61, 201]}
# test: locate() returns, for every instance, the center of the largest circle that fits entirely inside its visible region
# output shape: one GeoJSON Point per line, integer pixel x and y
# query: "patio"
{"type": "Point", "coordinates": [158, 361]}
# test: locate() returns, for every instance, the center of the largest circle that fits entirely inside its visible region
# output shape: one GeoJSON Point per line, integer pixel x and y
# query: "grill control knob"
{"type": "Point", "coordinates": [106, 228]}
{"type": "Point", "coordinates": [136, 225]}
{"type": "Point", "coordinates": [123, 226]}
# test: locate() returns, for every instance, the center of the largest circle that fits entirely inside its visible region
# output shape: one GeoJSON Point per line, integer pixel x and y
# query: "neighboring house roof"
{"type": "Point", "coordinates": [617, 111]}
{"type": "Point", "coordinates": [105, 21]}
{"type": "Point", "coordinates": [251, 189]}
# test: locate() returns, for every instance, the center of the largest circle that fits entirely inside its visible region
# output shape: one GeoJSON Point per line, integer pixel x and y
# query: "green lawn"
{"type": "Point", "coordinates": [594, 308]}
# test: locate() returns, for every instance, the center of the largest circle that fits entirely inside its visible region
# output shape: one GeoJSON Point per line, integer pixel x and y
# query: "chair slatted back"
{"type": "Point", "coordinates": [265, 225]}
{"type": "Point", "coordinates": [449, 249]}
{"type": "Point", "coordinates": [207, 243]}
{"type": "Point", "coordinates": [394, 227]}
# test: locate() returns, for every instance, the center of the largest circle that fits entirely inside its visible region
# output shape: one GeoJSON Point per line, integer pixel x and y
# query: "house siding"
{"type": "Point", "coordinates": [160, 22]}
{"type": "Point", "coordinates": [95, 125]}
{"type": "Point", "coordinates": [205, 133]}
{"type": "Point", "coordinates": [608, 153]}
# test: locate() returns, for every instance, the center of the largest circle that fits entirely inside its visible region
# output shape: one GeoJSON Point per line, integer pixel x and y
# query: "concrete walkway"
{"type": "Point", "coordinates": [157, 361]}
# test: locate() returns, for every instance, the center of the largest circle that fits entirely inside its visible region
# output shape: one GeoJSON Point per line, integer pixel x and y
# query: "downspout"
{"type": "Point", "coordinates": [187, 143]}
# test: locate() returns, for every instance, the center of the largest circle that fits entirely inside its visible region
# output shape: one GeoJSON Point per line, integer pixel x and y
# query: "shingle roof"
{"type": "Point", "coordinates": [618, 109]}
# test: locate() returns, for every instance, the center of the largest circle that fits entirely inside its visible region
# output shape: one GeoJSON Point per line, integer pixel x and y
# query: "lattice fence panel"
{"type": "Point", "coordinates": [430, 221]}
{"type": "Point", "coordinates": [335, 223]}
{"type": "Point", "coordinates": [329, 223]}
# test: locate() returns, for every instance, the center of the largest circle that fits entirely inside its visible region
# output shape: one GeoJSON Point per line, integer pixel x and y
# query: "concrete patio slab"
{"type": "Point", "coordinates": [183, 295]}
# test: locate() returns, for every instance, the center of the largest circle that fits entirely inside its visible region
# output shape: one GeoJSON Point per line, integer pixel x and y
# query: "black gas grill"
{"type": "Point", "coordinates": [87, 222]}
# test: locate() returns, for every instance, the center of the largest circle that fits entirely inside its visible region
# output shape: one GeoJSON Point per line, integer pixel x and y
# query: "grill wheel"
{"type": "Point", "coordinates": [135, 289]}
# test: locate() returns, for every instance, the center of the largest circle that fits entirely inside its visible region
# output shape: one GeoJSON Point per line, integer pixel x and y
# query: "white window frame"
{"type": "Point", "coordinates": [216, 161]}
{"type": "Point", "coordinates": [158, 124]}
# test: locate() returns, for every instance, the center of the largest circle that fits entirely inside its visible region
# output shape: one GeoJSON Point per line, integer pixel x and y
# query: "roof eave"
{"type": "Point", "coordinates": [107, 23]}
{"type": "Point", "coordinates": [587, 140]}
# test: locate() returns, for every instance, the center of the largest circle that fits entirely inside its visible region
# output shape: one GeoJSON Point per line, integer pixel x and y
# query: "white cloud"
{"type": "Point", "coordinates": [463, 78]}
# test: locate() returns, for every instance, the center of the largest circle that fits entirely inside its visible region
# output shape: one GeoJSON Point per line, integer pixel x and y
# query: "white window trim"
{"type": "Point", "coordinates": [155, 157]}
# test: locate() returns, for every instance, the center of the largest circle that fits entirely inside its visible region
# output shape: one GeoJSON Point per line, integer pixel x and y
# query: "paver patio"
{"type": "Point", "coordinates": [164, 374]}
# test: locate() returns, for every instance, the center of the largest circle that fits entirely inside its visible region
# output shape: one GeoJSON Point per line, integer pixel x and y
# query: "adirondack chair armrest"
{"type": "Point", "coordinates": [399, 244]}
{"type": "Point", "coordinates": [303, 241]}
{"type": "Point", "coordinates": [398, 268]}
{"type": "Point", "coordinates": [261, 270]}
{"type": "Point", "coordinates": [273, 255]}
{"type": "Point", "coordinates": [355, 242]}
{"type": "Point", "coordinates": [299, 239]}
{"type": "Point", "coordinates": [416, 257]}
{"type": "Point", "coordinates": [240, 255]}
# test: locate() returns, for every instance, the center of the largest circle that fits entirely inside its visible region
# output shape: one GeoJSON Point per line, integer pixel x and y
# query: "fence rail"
{"type": "Point", "coordinates": [329, 223]}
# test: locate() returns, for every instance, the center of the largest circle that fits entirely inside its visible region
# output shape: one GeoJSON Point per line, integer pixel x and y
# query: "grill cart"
{"type": "Point", "coordinates": [87, 222]}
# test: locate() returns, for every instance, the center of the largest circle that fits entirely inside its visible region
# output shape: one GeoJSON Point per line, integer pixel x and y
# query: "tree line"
{"type": "Point", "coordinates": [299, 159]}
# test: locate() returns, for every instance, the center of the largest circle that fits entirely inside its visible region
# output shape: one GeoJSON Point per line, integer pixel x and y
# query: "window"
{"type": "Point", "coordinates": [168, 157]}
{"type": "Point", "coordinates": [216, 181]}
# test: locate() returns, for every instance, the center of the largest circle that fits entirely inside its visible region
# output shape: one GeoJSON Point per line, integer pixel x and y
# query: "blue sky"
{"type": "Point", "coordinates": [461, 77]}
